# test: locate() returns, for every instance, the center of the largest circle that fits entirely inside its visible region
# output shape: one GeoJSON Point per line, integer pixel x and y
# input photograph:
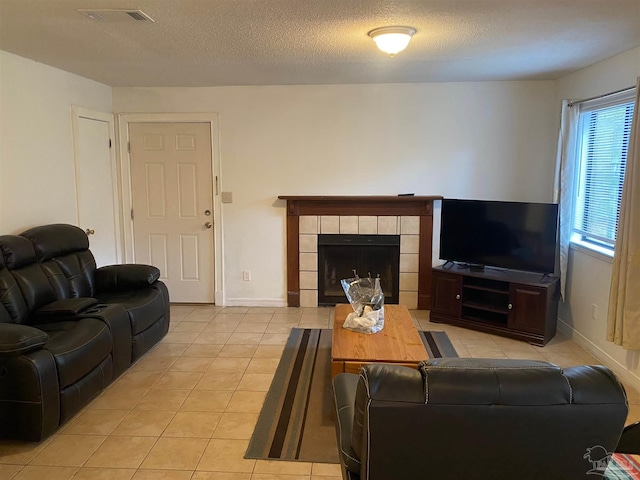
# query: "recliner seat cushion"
{"type": "Point", "coordinates": [77, 347]}
{"type": "Point", "coordinates": [145, 307]}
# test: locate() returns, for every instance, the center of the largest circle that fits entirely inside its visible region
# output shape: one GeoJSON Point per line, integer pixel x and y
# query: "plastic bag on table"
{"type": "Point", "coordinates": [367, 300]}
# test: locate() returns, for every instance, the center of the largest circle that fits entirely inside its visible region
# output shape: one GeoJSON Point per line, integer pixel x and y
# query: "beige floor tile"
{"type": "Point", "coordinates": [49, 473]}
{"type": "Point", "coordinates": [269, 351]}
{"type": "Point", "coordinates": [207, 401]}
{"type": "Point", "coordinates": [257, 318]}
{"type": "Point", "coordinates": [191, 364]}
{"type": "Point", "coordinates": [282, 328]}
{"type": "Point", "coordinates": [220, 476]}
{"type": "Point", "coordinates": [119, 397]}
{"type": "Point", "coordinates": [9, 471]}
{"type": "Point", "coordinates": [237, 426]}
{"type": "Point", "coordinates": [285, 468]}
{"type": "Point", "coordinates": [162, 475]}
{"type": "Point", "coordinates": [634, 414]}
{"type": "Point", "coordinates": [270, 310]}
{"type": "Point", "coordinates": [180, 337]}
{"type": "Point", "coordinates": [19, 453]}
{"type": "Point", "coordinates": [121, 452]}
{"type": "Point", "coordinates": [212, 338]}
{"type": "Point", "coordinates": [325, 477]}
{"type": "Point", "coordinates": [227, 326]}
{"type": "Point", "coordinates": [175, 453]}
{"type": "Point", "coordinates": [235, 310]}
{"type": "Point", "coordinates": [234, 364]}
{"type": "Point", "coordinates": [228, 317]}
{"type": "Point", "coordinates": [192, 425]}
{"type": "Point", "coordinates": [223, 455]}
{"type": "Point", "coordinates": [244, 339]}
{"type": "Point", "coordinates": [219, 381]}
{"type": "Point", "coordinates": [163, 399]}
{"type": "Point", "coordinates": [167, 350]}
{"type": "Point", "coordinates": [104, 474]}
{"type": "Point", "coordinates": [201, 316]}
{"type": "Point", "coordinates": [278, 476]}
{"type": "Point", "coordinates": [274, 339]}
{"type": "Point", "coordinates": [263, 365]}
{"type": "Point", "coordinates": [190, 327]}
{"type": "Point", "coordinates": [95, 422]}
{"type": "Point", "coordinates": [144, 423]}
{"type": "Point", "coordinates": [203, 350]}
{"type": "Point", "coordinates": [153, 364]}
{"type": "Point", "coordinates": [293, 318]}
{"type": "Point", "coordinates": [251, 327]}
{"type": "Point", "coordinates": [138, 379]}
{"type": "Point", "coordinates": [68, 450]}
{"type": "Point", "coordinates": [255, 382]}
{"type": "Point", "coordinates": [326, 470]}
{"type": "Point", "coordinates": [314, 324]}
{"type": "Point", "coordinates": [246, 402]}
{"type": "Point", "coordinates": [178, 380]}
{"type": "Point", "coordinates": [239, 351]}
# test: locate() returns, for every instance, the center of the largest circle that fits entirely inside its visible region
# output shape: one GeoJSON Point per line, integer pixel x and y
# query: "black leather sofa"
{"type": "Point", "coordinates": [462, 418]}
{"type": "Point", "coordinates": [67, 328]}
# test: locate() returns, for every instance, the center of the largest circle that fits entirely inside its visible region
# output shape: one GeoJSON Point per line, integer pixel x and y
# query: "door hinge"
{"type": "Point", "coordinates": [132, 214]}
{"type": "Point", "coordinates": [129, 147]}
{"type": "Point", "coordinates": [217, 185]}
{"type": "Point", "coordinates": [109, 143]}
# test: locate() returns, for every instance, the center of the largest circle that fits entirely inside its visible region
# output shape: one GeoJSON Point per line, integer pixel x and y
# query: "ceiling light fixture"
{"type": "Point", "coordinates": [392, 40]}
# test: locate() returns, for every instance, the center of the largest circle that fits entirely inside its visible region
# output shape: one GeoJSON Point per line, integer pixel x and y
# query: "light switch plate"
{"type": "Point", "coordinates": [227, 197]}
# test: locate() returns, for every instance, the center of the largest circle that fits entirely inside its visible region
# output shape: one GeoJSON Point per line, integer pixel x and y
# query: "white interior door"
{"type": "Point", "coordinates": [95, 183]}
{"type": "Point", "coordinates": [172, 197]}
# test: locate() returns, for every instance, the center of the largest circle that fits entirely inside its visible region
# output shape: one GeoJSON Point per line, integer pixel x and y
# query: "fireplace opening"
{"type": "Point", "coordinates": [340, 255]}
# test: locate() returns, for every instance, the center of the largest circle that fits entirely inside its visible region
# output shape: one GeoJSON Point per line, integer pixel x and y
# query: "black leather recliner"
{"type": "Point", "coordinates": [463, 418]}
{"type": "Point", "coordinates": [67, 329]}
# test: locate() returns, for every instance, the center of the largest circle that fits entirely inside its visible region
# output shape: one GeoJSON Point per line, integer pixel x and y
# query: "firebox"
{"type": "Point", "coordinates": [340, 255]}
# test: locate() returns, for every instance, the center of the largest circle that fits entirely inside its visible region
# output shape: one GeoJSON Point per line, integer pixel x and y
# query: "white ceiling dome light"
{"type": "Point", "coordinates": [392, 40]}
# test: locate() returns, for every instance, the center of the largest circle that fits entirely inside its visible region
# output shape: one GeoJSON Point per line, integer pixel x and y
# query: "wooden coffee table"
{"type": "Point", "coordinates": [398, 343]}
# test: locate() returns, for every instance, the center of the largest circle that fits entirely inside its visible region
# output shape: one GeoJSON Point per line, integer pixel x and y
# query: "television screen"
{"type": "Point", "coordinates": [514, 235]}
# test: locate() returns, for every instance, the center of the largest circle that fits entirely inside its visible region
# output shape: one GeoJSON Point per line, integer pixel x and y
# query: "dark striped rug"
{"type": "Point", "coordinates": [295, 422]}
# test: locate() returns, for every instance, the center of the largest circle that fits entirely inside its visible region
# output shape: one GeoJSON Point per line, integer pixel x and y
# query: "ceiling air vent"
{"type": "Point", "coordinates": [116, 15]}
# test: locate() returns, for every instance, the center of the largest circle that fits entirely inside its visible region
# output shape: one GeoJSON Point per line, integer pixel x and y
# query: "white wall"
{"type": "Point", "coordinates": [589, 276]}
{"type": "Point", "coordinates": [491, 140]}
{"type": "Point", "coordinates": [36, 150]}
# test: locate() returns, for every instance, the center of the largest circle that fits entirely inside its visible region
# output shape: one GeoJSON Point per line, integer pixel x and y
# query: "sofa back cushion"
{"type": "Point", "coordinates": [34, 289]}
{"type": "Point", "coordinates": [64, 251]}
{"type": "Point", "coordinates": [13, 309]}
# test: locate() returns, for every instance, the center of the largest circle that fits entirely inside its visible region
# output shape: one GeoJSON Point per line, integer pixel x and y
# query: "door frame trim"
{"type": "Point", "coordinates": [76, 114]}
{"type": "Point", "coordinates": [123, 121]}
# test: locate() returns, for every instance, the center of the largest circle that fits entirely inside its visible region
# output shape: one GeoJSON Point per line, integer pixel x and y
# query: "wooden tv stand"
{"type": "Point", "coordinates": [513, 304]}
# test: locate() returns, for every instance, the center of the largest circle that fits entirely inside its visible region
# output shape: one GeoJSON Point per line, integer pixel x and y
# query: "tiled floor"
{"type": "Point", "coordinates": [186, 410]}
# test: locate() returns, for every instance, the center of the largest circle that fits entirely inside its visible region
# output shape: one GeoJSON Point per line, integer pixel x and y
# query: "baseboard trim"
{"type": "Point", "coordinates": [255, 302]}
{"type": "Point", "coordinates": [607, 360]}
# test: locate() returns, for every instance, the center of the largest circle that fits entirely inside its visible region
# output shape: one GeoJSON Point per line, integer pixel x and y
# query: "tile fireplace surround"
{"type": "Point", "coordinates": [409, 217]}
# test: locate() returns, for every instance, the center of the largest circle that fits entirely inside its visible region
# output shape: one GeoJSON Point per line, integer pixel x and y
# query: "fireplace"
{"type": "Point", "coordinates": [410, 217]}
{"type": "Point", "coordinates": [340, 255]}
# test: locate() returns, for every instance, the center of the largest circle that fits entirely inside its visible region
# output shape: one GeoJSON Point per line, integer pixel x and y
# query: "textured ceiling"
{"type": "Point", "coordinates": [280, 42]}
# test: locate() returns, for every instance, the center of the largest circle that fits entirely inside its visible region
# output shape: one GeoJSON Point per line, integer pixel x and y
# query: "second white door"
{"type": "Point", "coordinates": [172, 190]}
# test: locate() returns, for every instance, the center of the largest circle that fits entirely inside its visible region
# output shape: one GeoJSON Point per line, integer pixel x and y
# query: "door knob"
{"type": "Point", "coordinates": [208, 225]}
{"type": "Point", "coordinates": [89, 231]}
{"type": "Point", "coordinates": [207, 212]}
{"type": "Point", "coordinates": [457, 297]}
{"type": "Point", "coordinates": [510, 306]}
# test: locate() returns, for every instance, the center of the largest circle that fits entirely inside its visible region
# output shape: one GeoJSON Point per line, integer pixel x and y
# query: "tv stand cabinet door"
{"type": "Point", "coordinates": [446, 291]}
{"type": "Point", "coordinates": [527, 308]}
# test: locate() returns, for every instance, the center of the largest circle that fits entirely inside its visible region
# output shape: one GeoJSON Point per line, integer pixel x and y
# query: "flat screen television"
{"type": "Point", "coordinates": [512, 235]}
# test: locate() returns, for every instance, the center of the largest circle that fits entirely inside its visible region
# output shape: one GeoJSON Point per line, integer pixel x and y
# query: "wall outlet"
{"type": "Point", "coordinates": [246, 275]}
{"type": "Point", "coordinates": [594, 311]}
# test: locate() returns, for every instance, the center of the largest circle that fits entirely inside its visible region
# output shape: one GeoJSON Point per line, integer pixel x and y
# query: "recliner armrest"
{"type": "Point", "coordinates": [113, 278]}
{"type": "Point", "coordinates": [16, 340]}
{"type": "Point", "coordinates": [344, 391]}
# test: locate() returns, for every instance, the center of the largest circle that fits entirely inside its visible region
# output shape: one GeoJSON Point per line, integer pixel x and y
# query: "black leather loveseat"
{"type": "Point", "coordinates": [480, 419]}
{"type": "Point", "coordinates": [67, 328]}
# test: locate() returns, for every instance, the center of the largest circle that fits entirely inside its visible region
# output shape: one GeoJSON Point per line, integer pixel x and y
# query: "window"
{"type": "Point", "coordinates": [602, 142]}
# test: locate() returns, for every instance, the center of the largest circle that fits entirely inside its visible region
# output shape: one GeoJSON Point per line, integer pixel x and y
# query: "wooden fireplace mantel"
{"type": "Point", "coordinates": [360, 205]}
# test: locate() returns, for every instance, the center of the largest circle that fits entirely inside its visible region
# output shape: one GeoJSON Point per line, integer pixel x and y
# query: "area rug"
{"type": "Point", "coordinates": [296, 419]}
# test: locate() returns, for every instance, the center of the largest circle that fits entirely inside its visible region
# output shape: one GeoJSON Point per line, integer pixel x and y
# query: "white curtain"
{"type": "Point", "coordinates": [623, 320]}
{"type": "Point", "coordinates": [564, 185]}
